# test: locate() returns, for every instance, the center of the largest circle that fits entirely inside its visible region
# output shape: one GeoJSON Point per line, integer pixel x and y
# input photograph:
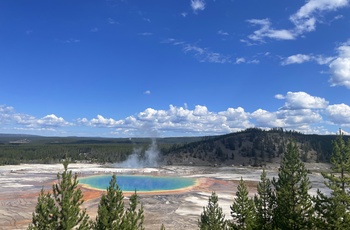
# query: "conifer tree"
{"type": "Point", "coordinates": [45, 215]}
{"type": "Point", "coordinates": [134, 218]}
{"type": "Point", "coordinates": [162, 227]}
{"type": "Point", "coordinates": [242, 209]}
{"type": "Point", "coordinates": [110, 213]}
{"type": "Point", "coordinates": [333, 211]}
{"type": "Point", "coordinates": [61, 209]}
{"type": "Point", "coordinates": [294, 207]}
{"type": "Point", "coordinates": [212, 217]}
{"type": "Point", "coordinates": [264, 202]}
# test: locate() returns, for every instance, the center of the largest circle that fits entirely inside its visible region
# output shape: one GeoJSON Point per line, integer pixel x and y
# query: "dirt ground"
{"type": "Point", "coordinates": [21, 184]}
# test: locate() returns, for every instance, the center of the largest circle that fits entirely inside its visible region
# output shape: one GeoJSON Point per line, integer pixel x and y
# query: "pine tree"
{"type": "Point", "coordinates": [212, 217]}
{"type": "Point", "coordinates": [242, 209]}
{"type": "Point", "coordinates": [110, 214]}
{"type": "Point", "coordinates": [45, 215]}
{"type": "Point", "coordinates": [294, 207]}
{"type": "Point", "coordinates": [264, 203]}
{"type": "Point", "coordinates": [162, 227]}
{"type": "Point", "coordinates": [333, 211]}
{"type": "Point", "coordinates": [61, 209]}
{"type": "Point", "coordinates": [134, 218]}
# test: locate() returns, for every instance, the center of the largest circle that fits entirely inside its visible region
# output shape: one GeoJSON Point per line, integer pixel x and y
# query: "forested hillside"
{"type": "Point", "coordinates": [249, 147]}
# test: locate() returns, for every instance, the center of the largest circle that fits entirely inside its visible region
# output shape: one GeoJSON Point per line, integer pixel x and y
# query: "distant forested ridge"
{"type": "Point", "coordinates": [249, 147]}
{"type": "Point", "coordinates": [252, 146]}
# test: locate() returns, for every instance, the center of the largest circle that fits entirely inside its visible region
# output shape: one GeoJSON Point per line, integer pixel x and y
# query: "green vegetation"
{"type": "Point", "coordinates": [285, 203]}
{"type": "Point", "coordinates": [249, 147]}
{"type": "Point", "coordinates": [242, 209]}
{"type": "Point", "coordinates": [61, 209]}
{"type": "Point", "coordinates": [212, 217]}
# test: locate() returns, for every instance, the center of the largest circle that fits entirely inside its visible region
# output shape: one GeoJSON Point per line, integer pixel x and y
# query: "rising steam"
{"type": "Point", "coordinates": [135, 160]}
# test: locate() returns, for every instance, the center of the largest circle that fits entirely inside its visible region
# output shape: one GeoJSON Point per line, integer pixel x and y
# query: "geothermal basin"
{"type": "Point", "coordinates": [176, 208]}
{"type": "Point", "coordinates": [131, 183]}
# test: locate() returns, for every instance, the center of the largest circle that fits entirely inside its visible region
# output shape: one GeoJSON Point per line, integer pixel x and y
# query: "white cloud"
{"type": "Point", "coordinates": [339, 114]}
{"type": "Point", "coordinates": [302, 100]}
{"type": "Point", "coordinates": [267, 31]}
{"type": "Point", "coordinates": [147, 92]}
{"type": "Point", "coordinates": [199, 121]}
{"type": "Point", "coordinates": [197, 5]}
{"type": "Point", "coordinates": [204, 54]}
{"type": "Point", "coordinates": [304, 20]}
{"type": "Point", "coordinates": [240, 60]}
{"type": "Point", "coordinates": [340, 67]}
{"type": "Point", "coordinates": [296, 59]}
{"type": "Point", "coordinates": [302, 58]}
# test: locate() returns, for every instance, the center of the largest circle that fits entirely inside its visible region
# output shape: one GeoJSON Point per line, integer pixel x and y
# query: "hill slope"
{"type": "Point", "coordinates": [250, 147]}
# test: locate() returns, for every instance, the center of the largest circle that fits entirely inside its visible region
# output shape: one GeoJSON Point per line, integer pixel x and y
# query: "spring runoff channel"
{"type": "Point", "coordinates": [130, 183]}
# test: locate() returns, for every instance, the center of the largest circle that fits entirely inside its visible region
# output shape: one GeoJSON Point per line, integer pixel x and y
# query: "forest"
{"type": "Point", "coordinates": [251, 146]}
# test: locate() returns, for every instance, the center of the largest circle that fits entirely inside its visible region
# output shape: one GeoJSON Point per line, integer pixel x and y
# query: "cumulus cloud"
{"type": "Point", "coordinates": [302, 100]}
{"type": "Point", "coordinates": [339, 114]}
{"type": "Point", "coordinates": [199, 121]}
{"type": "Point", "coordinates": [204, 54]}
{"type": "Point", "coordinates": [340, 67]}
{"type": "Point", "coordinates": [8, 116]}
{"type": "Point", "coordinates": [147, 92]}
{"type": "Point", "coordinates": [197, 5]}
{"type": "Point", "coordinates": [304, 20]}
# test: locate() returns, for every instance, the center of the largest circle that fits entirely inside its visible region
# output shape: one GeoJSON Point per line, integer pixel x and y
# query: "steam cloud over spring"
{"type": "Point", "coordinates": [135, 160]}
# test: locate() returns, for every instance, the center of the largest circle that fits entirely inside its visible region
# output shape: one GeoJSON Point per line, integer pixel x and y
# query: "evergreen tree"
{"type": "Point", "coordinates": [110, 214]}
{"type": "Point", "coordinates": [162, 227]}
{"type": "Point", "coordinates": [294, 207]}
{"type": "Point", "coordinates": [264, 203]}
{"type": "Point", "coordinates": [212, 217]}
{"type": "Point", "coordinates": [61, 210]}
{"type": "Point", "coordinates": [333, 211]}
{"type": "Point", "coordinates": [45, 215]}
{"type": "Point", "coordinates": [133, 218]}
{"type": "Point", "coordinates": [242, 209]}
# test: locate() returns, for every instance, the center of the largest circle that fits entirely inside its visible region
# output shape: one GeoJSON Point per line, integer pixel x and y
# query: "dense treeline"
{"type": "Point", "coordinates": [255, 145]}
{"type": "Point", "coordinates": [16, 149]}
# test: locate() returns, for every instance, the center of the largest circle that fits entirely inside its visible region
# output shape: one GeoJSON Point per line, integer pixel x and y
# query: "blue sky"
{"type": "Point", "coordinates": [128, 68]}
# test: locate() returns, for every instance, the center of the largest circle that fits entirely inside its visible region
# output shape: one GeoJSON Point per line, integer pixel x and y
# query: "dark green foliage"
{"type": "Point", "coordinates": [134, 218]}
{"type": "Point", "coordinates": [294, 206]}
{"type": "Point", "coordinates": [242, 209]}
{"type": "Point", "coordinates": [212, 217]}
{"type": "Point", "coordinates": [46, 213]}
{"type": "Point", "coordinates": [110, 212]}
{"type": "Point", "coordinates": [61, 209]}
{"type": "Point", "coordinates": [334, 211]}
{"type": "Point", "coordinates": [264, 202]}
{"type": "Point", "coordinates": [162, 227]}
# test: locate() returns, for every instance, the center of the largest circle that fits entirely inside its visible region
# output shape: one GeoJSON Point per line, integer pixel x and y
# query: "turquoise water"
{"type": "Point", "coordinates": [139, 183]}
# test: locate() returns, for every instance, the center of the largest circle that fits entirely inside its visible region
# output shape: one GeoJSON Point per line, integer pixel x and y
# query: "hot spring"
{"type": "Point", "coordinates": [130, 183]}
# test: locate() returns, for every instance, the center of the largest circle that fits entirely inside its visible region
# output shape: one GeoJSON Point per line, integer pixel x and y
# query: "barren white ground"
{"type": "Point", "coordinates": [20, 185]}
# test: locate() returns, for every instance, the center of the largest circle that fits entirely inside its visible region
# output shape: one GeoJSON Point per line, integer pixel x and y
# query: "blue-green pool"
{"type": "Point", "coordinates": [129, 183]}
